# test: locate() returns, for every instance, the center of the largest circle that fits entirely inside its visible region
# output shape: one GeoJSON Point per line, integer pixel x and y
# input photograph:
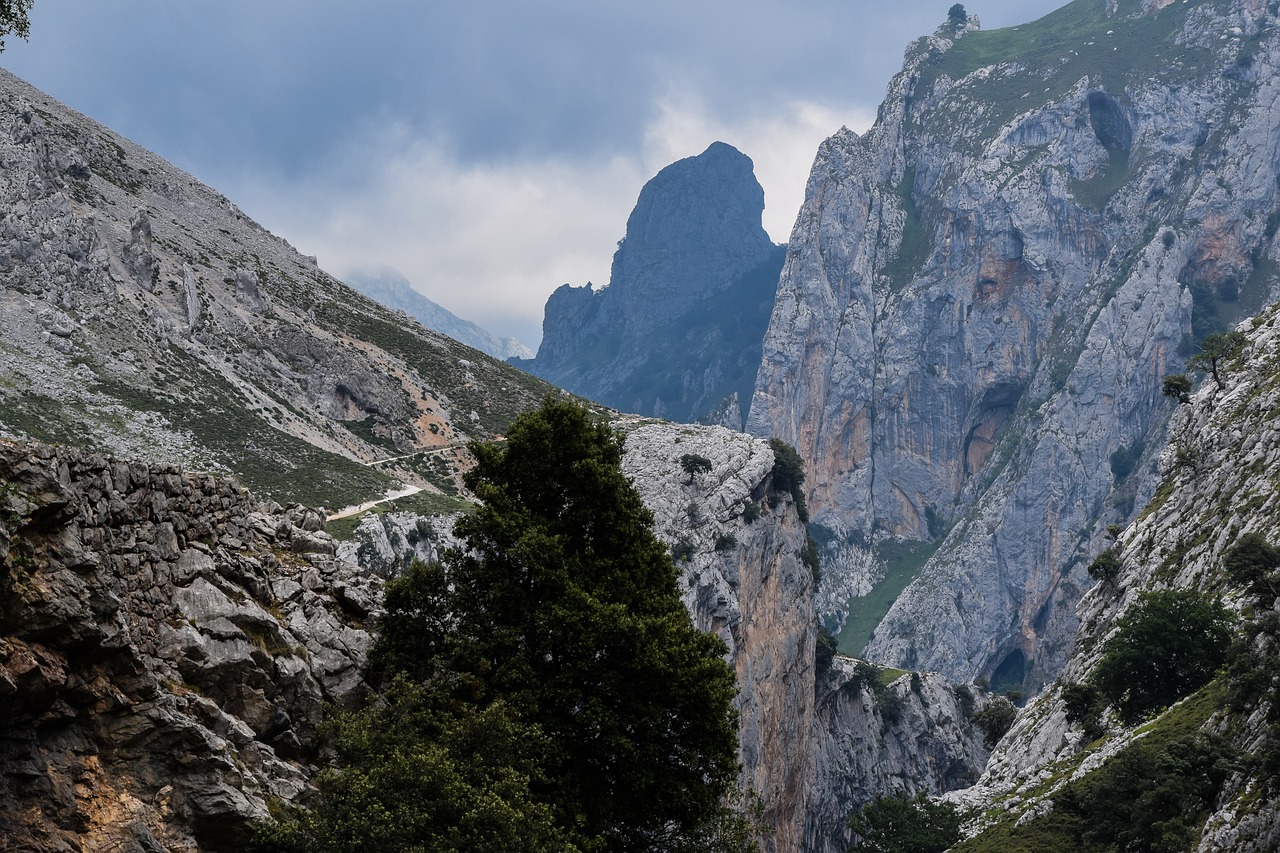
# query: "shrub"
{"type": "Point", "coordinates": [811, 558]}
{"type": "Point", "coordinates": [1178, 386]}
{"type": "Point", "coordinates": [1167, 646]}
{"type": "Point", "coordinates": [726, 542]}
{"type": "Point", "coordinates": [899, 824]}
{"type": "Point", "coordinates": [824, 651]}
{"type": "Point", "coordinates": [1251, 563]}
{"type": "Point", "coordinates": [750, 512]}
{"type": "Point", "coordinates": [1106, 566]}
{"type": "Point", "coordinates": [694, 464]}
{"type": "Point", "coordinates": [788, 474]}
{"type": "Point", "coordinates": [1085, 706]}
{"type": "Point", "coordinates": [995, 720]}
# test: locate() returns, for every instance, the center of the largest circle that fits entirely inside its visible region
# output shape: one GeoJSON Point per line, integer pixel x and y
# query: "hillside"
{"type": "Point", "coordinates": [141, 312]}
{"type": "Point", "coordinates": [1217, 488]}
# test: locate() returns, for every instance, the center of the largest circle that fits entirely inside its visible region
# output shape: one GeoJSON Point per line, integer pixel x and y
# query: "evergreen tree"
{"type": "Point", "coordinates": [563, 611]}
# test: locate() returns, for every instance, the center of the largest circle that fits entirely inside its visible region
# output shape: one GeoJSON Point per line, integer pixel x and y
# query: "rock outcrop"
{"type": "Point", "coordinates": [983, 292]}
{"type": "Point", "coordinates": [166, 647]}
{"type": "Point", "coordinates": [884, 733]}
{"type": "Point", "coordinates": [738, 546]}
{"type": "Point", "coordinates": [677, 332]}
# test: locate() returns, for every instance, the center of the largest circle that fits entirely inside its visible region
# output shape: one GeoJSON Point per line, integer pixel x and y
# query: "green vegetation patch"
{"type": "Point", "coordinates": [1055, 52]}
{"type": "Point", "coordinates": [268, 461]}
{"type": "Point", "coordinates": [903, 561]}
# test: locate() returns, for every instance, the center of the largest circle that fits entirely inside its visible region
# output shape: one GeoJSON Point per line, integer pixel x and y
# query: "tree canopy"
{"type": "Point", "coordinates": [1216, 349]}
{"type": "Point", "coordinates": [1167, 646]}
{"type": "Point", "coordinates": [13, 19]}
{"type": "Point", "coordinates": [562, 617]}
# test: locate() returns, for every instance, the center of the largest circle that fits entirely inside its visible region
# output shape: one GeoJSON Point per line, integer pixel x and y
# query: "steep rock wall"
{"type": "Point", "coordinates": [914, 734]}
{"type": "Point", "coordinates": [1217, 485]}
{"type": "Point", "coordinates": [982, 294]}
{"type": "Point", "coordinates": [745, 581]}
{"type": "Point", "coordinates": [166, 647]}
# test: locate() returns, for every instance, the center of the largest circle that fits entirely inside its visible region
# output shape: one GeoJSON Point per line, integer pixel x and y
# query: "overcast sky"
{"type": "Point", "coordinates": [490, 150]}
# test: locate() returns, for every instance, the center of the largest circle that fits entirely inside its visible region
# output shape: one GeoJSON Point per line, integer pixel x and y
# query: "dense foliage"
{"type": "Point", "coordinates": [1167, 646]}
{"type": "Point", "coordinates": [1252, 563]}
{"type": "Point", "coordinates": [14, 19]}
{"type": "Point", "coordinates": [1150, 796]}
{"type": "Point", "coordinates": [901, 824]}
{"type": "Point", "coordinates": [561, 625]}
{"type": "Point", "coordinates": [787, 476]}
{"type": "Point", "coordinates": [995, 720]}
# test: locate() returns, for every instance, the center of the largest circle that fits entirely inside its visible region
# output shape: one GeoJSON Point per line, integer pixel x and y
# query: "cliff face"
{"type": "Point", "coordinates": [166, 647]}
{"type": "Point", "coordinates": [983, 292]}
{"type": "Point", "coordinates": [745, 581]}
{"type": "Point", "coordinates": [912, 734]}
{"type": "Point", "coordinates": [677, 332]}
{"type": "Point", "coordinates": [1217, 485]}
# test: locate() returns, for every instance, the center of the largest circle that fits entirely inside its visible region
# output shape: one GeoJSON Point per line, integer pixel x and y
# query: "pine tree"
{"type": "Point", "coordinates": [563, 610]}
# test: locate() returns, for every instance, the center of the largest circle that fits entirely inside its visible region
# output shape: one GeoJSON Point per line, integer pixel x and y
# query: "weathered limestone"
{"type": "Point", "coordinates": [166, 647]}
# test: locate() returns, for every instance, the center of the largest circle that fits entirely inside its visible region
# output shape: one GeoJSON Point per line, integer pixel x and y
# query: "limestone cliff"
{"type": "Point", "coordinates": [1217, 485]}
{"type": "Point", "coordinates": [981, 296]}
{"type": "Point", "coordinates": [677, 332]}
{"type": "Point", "coordinates": [166, 647]}
{"type": "Point", "coordinates": [884, 732]}
{"type": "Point", "coordinates": [738, 546]}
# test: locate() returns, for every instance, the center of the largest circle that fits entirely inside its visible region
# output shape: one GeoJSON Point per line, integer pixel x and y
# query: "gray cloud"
{"type": "Point", "coordinates": [490, 150]}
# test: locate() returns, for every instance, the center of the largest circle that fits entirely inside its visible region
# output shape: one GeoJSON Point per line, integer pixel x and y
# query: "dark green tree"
{"type": "Point", "coordinates": [902, 824]}
{"type": "Point", "coordinates": [1106, 566]}
{"type": "Point", "coordinates": [564, 606]}
{"type": "Point", "coordinates": [787, 476]}
{"type": "Point", "coordinates": [1252, 563]}
{"type": "Point", "coordinates": [694, 464]}
{"type": "Point", "coordinates": [14, 20]}
{"type": "Point", "coordinates": [995, 720]}
{"type": "Point", "coordinates": [824, 651]}
{"type": "Point", "coordinates": [415, 777]}
{"type": "Point", "coordinates": [957, 16]}
{"type": "Point", "coordinates": [1178, 386]}
{"type": "Point", "coordinates": [1215, 350]}
{"type": "Point", "coordinates": [1168, 645]}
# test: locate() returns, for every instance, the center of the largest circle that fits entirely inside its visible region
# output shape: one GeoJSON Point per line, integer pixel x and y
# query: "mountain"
{"type": "Point", "coordinates": [1217, 489]}
{"type": "Point", "coordinates": [143, 313]}
{"type": "Point", "coordinates": [169, 638]}
{"type": "Point", "coordinates": [676, 334]}
{"type": "Point", "coordinates": [981, 296]}
{"type": "Point", "coordinates": [393, 290]}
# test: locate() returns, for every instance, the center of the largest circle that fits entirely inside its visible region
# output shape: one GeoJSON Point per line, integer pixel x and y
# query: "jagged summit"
{"type": "Point", "coordinates": [677, 331]}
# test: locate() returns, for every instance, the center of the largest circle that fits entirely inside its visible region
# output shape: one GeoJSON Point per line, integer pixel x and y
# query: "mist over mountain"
{"type": "Point", "coordinates": [392, 289]}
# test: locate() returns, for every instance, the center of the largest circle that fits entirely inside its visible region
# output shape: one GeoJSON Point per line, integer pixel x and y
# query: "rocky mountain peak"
{"type": "Point", "coordinates": [694, 228]}
{"type": "Point", "coordinates": [677, 332]}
